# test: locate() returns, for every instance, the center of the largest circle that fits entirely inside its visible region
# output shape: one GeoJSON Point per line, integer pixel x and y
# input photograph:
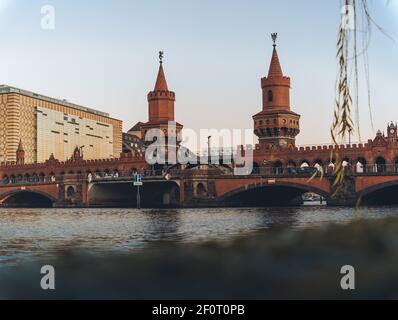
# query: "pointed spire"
{"type": "Point", "coordinates": [161, 83]}
{"type": "Point", "coordinates": [20, 146]}
{"type": "Point", "coordinates": [275, 69]}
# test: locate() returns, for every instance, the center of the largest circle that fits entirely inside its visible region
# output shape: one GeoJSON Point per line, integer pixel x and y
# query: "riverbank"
{"type": "Point", "coordinates": [270, 264]}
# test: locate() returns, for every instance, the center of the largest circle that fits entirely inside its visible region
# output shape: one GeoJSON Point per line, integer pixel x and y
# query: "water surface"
{"type": "Point", "coordinates": [33, 233]}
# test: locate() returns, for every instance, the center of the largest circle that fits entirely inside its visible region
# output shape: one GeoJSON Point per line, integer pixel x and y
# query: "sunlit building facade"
{"type": "Point", "coordinates": [50, 126]}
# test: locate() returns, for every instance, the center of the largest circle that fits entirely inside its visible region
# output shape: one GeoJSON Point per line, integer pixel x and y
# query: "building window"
{"type": "Point", "coordinates": [270, 96]}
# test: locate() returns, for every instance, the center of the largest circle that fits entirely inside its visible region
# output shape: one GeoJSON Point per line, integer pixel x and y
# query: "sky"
{"type": "Point", "coordinates": [104, 55]}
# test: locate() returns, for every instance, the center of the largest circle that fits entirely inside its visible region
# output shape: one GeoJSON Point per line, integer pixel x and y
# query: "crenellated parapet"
{"type": "Point", "coordinates": [382, 149]}
{"type": "Point", "coordinates": [161, 94]}
{"type": "Point", "coordinates": [124, 164]}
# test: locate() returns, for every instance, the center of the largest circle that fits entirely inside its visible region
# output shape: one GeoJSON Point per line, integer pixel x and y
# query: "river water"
{"type": "Point", "coordinates": [27, 234]}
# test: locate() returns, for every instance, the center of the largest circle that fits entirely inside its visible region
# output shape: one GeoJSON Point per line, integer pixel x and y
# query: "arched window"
{"type": "Point", "coordinates": [256, 168]}
{"type": "Point", "coordinates": [291, 167]}
{"type": "Point", "coordinates": [278, 167]}
{"type": "Point", "coordinates": [361, 165]}
{"type": "Point", "coordinates": [70, 192]}
{"type": "Point", "coordinates": [319, 165]}
{"type": "Point", "coordinates": [305, 164]}
{"type": "Point", "coordinates": [380, 165]}
{"type": "Point", "coordinates": [270, 96]}
{"type": "Point", "coordinates": [201, 190]}
{"type": "Point", "coordinates": [6, 180]}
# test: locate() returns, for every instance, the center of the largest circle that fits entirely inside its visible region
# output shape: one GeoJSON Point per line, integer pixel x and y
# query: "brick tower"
{"type": "Point", "coordinates": [276, 125]}
{"type": "Point", "coordinates": [392, 132]}
{"type": "Point", "coordinates": [20, 154]}
{"type": "Point", "coordinates": [161, 106]}
{"type": "Point", "coordinates": [161, 115]}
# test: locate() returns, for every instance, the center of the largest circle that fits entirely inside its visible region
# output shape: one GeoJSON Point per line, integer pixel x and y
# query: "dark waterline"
{"type": "Point", "coordinates": [33, 233]}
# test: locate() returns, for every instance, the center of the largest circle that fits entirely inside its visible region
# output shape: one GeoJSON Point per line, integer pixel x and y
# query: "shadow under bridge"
{"type": "Point", "coordinates": [260, 195]}
{"type": "Point", "coordinates": [123, 194]}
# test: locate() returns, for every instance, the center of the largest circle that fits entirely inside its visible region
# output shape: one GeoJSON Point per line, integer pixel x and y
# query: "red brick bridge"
{"type": "Point", "coordinates": [109, 183]}
{"type": "Point", "coordinates": [280, 177]}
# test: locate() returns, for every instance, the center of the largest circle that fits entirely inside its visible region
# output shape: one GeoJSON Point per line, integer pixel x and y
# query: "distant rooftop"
{"type": "Point", "coordinates": [9, 89]}
{"type": "Point", "coordinates": [137, 127]}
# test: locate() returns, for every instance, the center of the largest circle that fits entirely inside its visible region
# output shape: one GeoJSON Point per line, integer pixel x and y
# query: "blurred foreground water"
{"type": "Point", "coordinates": [200, 253]}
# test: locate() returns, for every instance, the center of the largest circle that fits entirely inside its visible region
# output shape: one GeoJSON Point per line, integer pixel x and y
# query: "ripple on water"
{"type": "Point", "coordinates": [29, 233]}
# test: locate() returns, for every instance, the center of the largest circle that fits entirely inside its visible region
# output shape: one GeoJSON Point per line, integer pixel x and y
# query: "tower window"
{"type": "Point", "coordinates": [270, 96]}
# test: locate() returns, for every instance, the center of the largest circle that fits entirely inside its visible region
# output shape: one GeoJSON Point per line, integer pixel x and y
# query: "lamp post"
{"type": "Point", "coordinates": [209, 148]}
{"type": "Point", "coordinates": [138, 183]}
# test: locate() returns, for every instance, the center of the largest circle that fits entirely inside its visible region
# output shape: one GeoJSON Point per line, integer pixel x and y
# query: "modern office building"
{"type": "Point", "coordinates": [48, 126]}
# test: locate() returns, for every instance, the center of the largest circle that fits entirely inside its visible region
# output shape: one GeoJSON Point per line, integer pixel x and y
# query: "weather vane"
{"type": "Point", "coordinates": [161, 55]}
{"type": "Point", "coordinates": [274, 36]}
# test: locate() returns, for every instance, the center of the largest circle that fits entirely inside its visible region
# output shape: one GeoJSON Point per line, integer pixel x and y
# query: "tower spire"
{"type": "Point", "coordinates": [161, 83]}
{"type": "Point", "coordinates": [20, 146]}
{"type": "Point", "coordinates": [20, 154]}
{"type": "Point", "coordinates": [275, 69]}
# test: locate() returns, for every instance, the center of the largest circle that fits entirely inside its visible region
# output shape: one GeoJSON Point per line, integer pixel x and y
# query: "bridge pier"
{"type": "Point", "coordinates": [344, 194]}
{"type": "Point", "coordinates": [182, 192]}
{"type": "Point", "coordinates": [72, 192]}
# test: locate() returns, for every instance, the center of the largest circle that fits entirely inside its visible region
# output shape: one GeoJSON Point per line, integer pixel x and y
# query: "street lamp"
{"type": "Point", "coordinates": [209, 148]}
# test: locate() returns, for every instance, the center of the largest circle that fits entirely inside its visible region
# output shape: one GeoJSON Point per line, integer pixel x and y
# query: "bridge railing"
{"type": "Point", "coordinates": [378, 169]}
{"type": "Point", "coordinates": [25, 181]}
{"type": "Point", "coordinates": [372, 169]}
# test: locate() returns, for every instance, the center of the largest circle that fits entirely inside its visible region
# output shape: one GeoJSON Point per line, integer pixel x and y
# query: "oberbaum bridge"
{"type": "Point", "coordinates": [281, 173]}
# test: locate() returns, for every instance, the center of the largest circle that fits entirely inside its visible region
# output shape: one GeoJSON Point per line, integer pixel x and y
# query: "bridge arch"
{"type": "Point", "coordinates": [282, 193]}
{"type": "Point", "coordinates": [156, 193]}
{"type": "Point", "coordinates": [27, 199]}
{"type": "Point", "coordinates": [380, 194]}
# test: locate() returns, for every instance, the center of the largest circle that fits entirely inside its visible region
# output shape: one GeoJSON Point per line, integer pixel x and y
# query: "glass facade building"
{"type": "Point", "coordinates": [47, 125]}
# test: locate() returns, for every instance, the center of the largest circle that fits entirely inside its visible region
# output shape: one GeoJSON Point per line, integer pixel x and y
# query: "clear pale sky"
{"type": "Point", "coordinates": [104, 54]}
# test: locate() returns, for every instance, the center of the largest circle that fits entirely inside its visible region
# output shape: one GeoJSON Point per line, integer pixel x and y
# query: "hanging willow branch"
{"type": "Point", "coordinates": [356, 19]}
{"type": "Point", "coordinates": [342, 122]}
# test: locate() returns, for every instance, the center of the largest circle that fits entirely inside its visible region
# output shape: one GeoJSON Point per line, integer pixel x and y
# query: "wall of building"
{"type": "Point", "coordinates": [59, 133]}
{"type": "Point", "coordinates": [18, 121]}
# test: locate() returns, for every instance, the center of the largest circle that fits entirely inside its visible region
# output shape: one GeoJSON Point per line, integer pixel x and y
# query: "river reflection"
{"type": "Point", "coordinates": [30, 233]}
